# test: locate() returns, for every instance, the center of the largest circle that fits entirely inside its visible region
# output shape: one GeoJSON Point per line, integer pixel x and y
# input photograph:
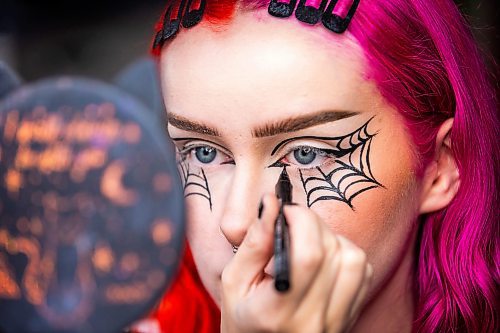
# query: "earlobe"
{"type": "Point", "coordinates": [441, 179]}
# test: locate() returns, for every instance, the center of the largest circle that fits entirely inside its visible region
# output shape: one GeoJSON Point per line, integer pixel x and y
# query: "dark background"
{"type": "Point", "coordinates": [98, 38]}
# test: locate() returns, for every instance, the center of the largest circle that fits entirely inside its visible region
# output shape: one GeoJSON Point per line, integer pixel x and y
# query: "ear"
{"type": "Point", "coordinates": [441, 178]}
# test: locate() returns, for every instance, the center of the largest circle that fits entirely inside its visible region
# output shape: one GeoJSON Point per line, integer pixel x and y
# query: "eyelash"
{"type": "Point", "coordinates": [325, 153]}
{"type": "Point", "coordinates": [189, 149]}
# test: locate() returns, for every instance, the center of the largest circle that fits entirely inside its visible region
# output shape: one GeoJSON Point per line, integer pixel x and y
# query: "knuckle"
{"type": "Point", "coordinates": [355, 258]}
{"type": "Point", "coordinates": [362, 257]}
{"type": "Point", "coordinates": [310, 259]}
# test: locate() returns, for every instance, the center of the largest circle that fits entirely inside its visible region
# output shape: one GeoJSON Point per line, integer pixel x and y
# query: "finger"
{"type": "Point", "coordinates": [349, 281]}
{"type": "Point", "coordinates": [318, 296]}
{"type": "Point", "coordinates": [255, 251]}
{"type": "Point", "coordinates": [361, 297]}
{"type": "Point", "coordinates": [306, 249]}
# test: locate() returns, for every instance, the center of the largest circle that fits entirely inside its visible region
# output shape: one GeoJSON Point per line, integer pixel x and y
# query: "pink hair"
{"type": "Point", "coordinates": [427, 65]}
{"type": "Point", "coordinates": [425, 62]}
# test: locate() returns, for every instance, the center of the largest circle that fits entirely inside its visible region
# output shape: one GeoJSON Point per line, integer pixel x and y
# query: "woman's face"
{"type": "Point", "coordinates": [266, 94]}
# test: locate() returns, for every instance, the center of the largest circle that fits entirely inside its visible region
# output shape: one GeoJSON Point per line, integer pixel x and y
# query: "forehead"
{"type": "Point", "coordinates": [260, 63]}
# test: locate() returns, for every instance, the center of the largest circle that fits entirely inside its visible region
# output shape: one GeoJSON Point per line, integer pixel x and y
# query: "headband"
{"type": "Point", "coordinates": [189, 17]}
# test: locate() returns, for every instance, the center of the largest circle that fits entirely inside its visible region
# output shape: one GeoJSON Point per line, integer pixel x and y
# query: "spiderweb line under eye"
{"type": "Point", "coordinates": [195, 184]}
{"type": "Point", "coordinates": [354, 176]}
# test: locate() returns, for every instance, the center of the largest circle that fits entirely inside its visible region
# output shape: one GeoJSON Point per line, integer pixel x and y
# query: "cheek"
{"type": "Point", "coordinates": [382, 221]}
{"type": "Point", "coordinates": [384, 217]}
{"type": "Point", "coordinates": [208, 258]}
{"type": "Point", "coordinates": [382, 225]}
{"type": "Point", "coordinates": [208, 245]}
{"type": "Point", "coordinates": [203, 232]}
{"type": "Point", "coordinates": [205, 211]}
{"type": "Point", "coordinates": [381, 218]}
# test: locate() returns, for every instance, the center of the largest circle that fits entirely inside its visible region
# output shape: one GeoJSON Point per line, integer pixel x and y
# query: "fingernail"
{"type": "Point", "coordinates": [261, 208]}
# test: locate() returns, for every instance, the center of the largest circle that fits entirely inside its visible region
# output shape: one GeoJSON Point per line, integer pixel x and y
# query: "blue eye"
{"type": "Point", "coordinates": [205, 154]}
{"type": "Point", "coordinates": [304, 155]}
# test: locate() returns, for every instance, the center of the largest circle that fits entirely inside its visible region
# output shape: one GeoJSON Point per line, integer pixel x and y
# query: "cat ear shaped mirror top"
{"type": "Point", "coordinates": [9, 80]}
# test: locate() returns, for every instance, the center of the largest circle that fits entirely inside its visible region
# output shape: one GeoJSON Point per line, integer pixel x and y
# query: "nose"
{"type": "Point", "coordinates": [241, 206]}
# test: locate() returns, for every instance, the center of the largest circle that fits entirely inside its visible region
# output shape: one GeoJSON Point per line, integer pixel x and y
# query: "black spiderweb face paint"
{"type": "Point", "coordinates": [198, 158]}
{"type": "Point", "coordinates": [195, 181]}
{"type": "Point", "coordinates": [346, 172]}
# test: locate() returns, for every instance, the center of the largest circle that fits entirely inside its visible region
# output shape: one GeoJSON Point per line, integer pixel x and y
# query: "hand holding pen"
{"type": "Point", "coordinates": [328, 276]}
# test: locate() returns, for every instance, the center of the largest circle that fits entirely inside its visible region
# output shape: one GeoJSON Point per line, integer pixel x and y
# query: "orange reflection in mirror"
{"type": "Point", "coordinates": [112, 185]}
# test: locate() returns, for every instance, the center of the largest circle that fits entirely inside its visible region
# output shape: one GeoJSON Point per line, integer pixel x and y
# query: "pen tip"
{"type": "Point", "coordinates": [284, 174]}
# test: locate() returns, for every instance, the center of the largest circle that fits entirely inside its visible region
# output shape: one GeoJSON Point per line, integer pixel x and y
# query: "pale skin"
{"type": "Point", "coordinates": [351, 267]}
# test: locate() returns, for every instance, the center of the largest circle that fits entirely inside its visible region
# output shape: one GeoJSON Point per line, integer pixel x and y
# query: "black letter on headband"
{"type": "Point", "coordinates": [281, 9]}
{"type": "Point", "coordinates": [309, 14]}
{"type": "Point", "coordinates": [192, 18]}
{"type": "Point", "coordinates": [334, 22]}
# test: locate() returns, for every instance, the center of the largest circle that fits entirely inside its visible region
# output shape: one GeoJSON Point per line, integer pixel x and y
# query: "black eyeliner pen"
{"type": "Point", "coordinates": [282, 236]}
